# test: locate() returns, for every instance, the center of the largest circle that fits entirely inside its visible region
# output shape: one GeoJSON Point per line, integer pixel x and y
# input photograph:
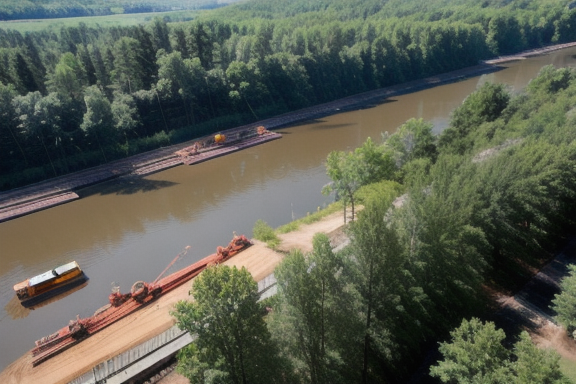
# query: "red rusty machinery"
{"type": "Point", "coordinates": [121, 305]}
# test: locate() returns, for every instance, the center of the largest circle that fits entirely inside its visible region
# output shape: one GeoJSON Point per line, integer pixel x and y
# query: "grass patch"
{"type": "Point", "coordinates": [311, 218]}
{"type": "Point", "coordinates": [568, 368]}
{"type": "Point", "coordinates": [263, 232]}
{"type": "Point", "coordinates": [123, 20]}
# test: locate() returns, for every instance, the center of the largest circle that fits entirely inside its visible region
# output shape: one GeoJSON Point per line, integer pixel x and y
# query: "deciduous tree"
{"type": "Point", "coordinates": [304, 321]}
{"type": "Point", "coordinates": [233, 343]}
{"type": "Point", "coordinates": [349, 171]}
{"type": "Point", "coordinates": [377, 270]}
{"type": "Point", "coordinates": [476, 354]}
{"type": "Point", "coordinates": [98, 120]}
{"type": "Point", "coordinates": [564, 303]}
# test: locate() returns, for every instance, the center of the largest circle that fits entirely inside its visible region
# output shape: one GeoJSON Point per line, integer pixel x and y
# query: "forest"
{"type": "Point", "coordinates": [447, 220]}
{"type": "Point", "coordinates": [80, 96]}
{"type": "Point", "coordinates": [51, 9]}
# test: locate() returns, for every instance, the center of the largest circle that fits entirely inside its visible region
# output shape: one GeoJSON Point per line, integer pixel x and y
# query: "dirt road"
{"type": "Point", "coordinates": [530, 308]}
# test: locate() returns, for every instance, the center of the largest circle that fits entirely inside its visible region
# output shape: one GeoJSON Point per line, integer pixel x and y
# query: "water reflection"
{"type": "Point", "coordinates": [16, 310]}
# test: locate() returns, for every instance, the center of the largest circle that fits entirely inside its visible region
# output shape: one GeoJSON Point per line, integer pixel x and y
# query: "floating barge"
{"type": "Point", "coordinates": [39, 288]}
{"type": "Point", "coordinates": [60, 190]}
{"type": "Point", "coordinates": [209, 148]}
{"type": "Point", "coordinates": [122, 305]}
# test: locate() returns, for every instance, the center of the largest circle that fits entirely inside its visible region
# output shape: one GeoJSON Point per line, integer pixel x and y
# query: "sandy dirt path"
{"type": "Point", "coordinates": [302, 238]}
{"type": "Point", "coordinates": [530, 308]}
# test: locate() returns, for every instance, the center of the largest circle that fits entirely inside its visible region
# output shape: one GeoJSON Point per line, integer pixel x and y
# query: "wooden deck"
{"type": "Point", "coordinates": [229, 148]}
{"type": "Point", "coordinates": [24, 208]}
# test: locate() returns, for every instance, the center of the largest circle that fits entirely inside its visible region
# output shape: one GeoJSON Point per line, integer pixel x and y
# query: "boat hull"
{"type": "Point", "coordinates": [55, 291]}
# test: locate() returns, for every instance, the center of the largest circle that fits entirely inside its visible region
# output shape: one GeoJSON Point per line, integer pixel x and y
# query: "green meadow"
{"type": "Point", "coordinates": [122, 20]}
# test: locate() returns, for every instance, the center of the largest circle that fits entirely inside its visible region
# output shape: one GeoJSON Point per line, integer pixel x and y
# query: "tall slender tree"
{"type": "Point", "coordinates": [304, 320]}
{"type": "Point", "coordinates": [98, 120]}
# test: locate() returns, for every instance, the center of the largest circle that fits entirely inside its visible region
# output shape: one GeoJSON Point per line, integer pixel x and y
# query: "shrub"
{"type": "Point", "coordinates": [263, 232]}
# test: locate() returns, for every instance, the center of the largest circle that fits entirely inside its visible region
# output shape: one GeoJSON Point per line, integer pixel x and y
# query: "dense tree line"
{"type": "Point", "coordinates": [52, 9]}
{"type": "Point", "coordinates": [446, 216]}
{"type": "Point", "coordinates": [80, 96]}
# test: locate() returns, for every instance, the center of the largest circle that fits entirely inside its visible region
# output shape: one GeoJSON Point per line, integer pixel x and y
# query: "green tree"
{"type": "Point", "coordinates": [25, 75]}
{"type": "Point", "coordinates": [179, 43]}
{"type": "Point", "coordinates": [83, 57]}
{"type": "Point", "coordinates": [182, 78]}
{"type": "Point", "coordinates": [50, 112]}
{"type": "Point", "coordinates": [377, 270]}
{"type": "Point", "coordinates": [341, 168]}
{"type": "Point", "coordinates": [564, 303]}
{"type": "Point", "coordinates": [551, 80]}
{"type": "Point", "coordinates": [484, 105]}
{"type": "Point", "coordinates": [287, 79]}
{"type": "Point", "coordinates": [440, 239]}
{"type": "Point", "coordinates": [413, 140]}
{"type": "Point", "coordinates": [33, 54]}
{"type": "Point", "coordinates": [350, 171]}
{"type": "Point", "coordinates": [31, 119]}
{"type": "Point", "coordinates": [201, 45]}
{"type": "Point", "coordinates": [534, 365]}
{"type": "Point", "coordinates": [263, 37]}
{"type": "Point", "coordinates": [128, 70]}
{"type": "Point", "coordinates": [68, 77]}
{"type": "Point", "coordinates": [124, 113]}
{"type": "Point", "coordinates": [160, 35]}
{"type": "Point", "coordinates": [233, 344]}
{"type": "Point", "coordinates": [475, 354]}
{"type": "Point", "coordinates": [304, 318]}
{"type": "Point", "coordinates": [10, 136]}
{"type": "Point", "coordinates": [98, 120]}
{"type": "Point", "coordinates": [505, 35]}
{"type": "Point", "coordinates": [245, 84]}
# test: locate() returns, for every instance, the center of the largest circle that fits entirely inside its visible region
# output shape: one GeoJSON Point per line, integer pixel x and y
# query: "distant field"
{"type": "Point", "coordinates": [104, 21]}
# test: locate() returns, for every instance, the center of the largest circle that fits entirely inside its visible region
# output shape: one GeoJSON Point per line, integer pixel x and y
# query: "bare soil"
{"type": "Point", "coordinates": [529, 309]}
{"type": "Point", "coordinates": [302, 238]}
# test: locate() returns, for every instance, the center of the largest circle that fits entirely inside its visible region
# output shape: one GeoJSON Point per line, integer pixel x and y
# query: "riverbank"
{"type": "Point", "coordinates": [26, 200]}
{"type": "Point", "coordinates": [154, 319]}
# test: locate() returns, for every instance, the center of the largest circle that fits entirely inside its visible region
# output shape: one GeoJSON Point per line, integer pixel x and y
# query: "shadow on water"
{"type": "Point", "coordinates": [126, 186]}
{"type": "Point", "coordinates": [302, 123]}
{"type": "Point", "coordinates": [322, 127]}
{"type": "Point", "coordinates": [17, 311]}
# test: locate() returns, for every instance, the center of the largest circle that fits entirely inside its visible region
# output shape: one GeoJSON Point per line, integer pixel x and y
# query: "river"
{"type": "Point", "coordinates": [130, 229]}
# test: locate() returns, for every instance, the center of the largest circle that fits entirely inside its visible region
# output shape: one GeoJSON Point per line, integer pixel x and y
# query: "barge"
{"type": "Point", "coordinates": [121, 305]}
{"type": "Point", "coordinates": [39, 288]}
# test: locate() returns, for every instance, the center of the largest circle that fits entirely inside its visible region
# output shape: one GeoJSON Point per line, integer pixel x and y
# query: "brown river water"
{"type": "Point", "coordinates": [130, 229]}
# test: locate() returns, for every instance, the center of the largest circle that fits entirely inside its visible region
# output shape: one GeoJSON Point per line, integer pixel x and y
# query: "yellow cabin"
{"type": "Point", "coordinates": [48, 280]}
